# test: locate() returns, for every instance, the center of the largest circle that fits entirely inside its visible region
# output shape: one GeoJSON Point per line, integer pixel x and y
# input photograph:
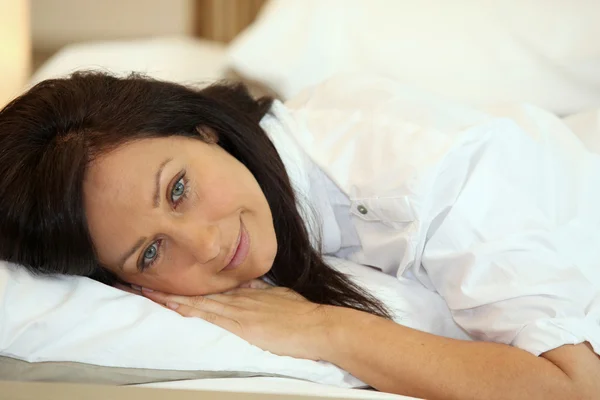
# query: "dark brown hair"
{"type": "Point", "coordinates": [49, 135]}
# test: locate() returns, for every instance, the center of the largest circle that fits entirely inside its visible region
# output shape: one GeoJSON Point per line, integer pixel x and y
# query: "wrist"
{"type": "Point", "coordinates": [335, 332]}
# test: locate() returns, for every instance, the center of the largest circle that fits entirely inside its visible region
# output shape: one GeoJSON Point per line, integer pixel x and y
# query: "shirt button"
{"type": "Point", "coordinates": [362, 209]}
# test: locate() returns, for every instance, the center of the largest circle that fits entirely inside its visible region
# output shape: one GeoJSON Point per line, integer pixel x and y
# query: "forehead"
{"type": "Point", "coordinates": [136, 155]}
{"type": "Point", "coordinates": [136, 160]}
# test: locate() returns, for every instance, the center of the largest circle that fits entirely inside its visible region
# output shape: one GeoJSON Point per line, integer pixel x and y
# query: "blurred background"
{"type": "Point", "coordinates": [118, 35]}
{"type": "Point", "coordinates": [480, 52]}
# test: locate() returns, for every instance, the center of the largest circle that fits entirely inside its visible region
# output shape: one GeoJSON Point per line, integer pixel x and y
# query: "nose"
{"type": "Point", "coordinates": [203, 241]}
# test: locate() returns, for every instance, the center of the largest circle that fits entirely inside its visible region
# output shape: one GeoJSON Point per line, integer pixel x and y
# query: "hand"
{"type": "Point", "coordinates": [135, 289]}
{"type": "Point", "coordinates": [275, 319]}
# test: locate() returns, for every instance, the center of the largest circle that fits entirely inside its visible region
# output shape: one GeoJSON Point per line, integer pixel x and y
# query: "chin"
{"type": "Point", "coordinates": [261, 269]}
{"type": "Point", "coordinates": [269, 260]}
{"type": "Point", "coordinates": [261, 263]}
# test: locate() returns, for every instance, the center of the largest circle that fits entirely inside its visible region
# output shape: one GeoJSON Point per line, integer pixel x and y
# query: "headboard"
{"type": "Point", "coordinates": [222, 20]}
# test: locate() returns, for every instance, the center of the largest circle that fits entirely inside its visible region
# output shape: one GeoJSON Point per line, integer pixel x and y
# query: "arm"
{"type": "Point", "coordinates": [391, 357]}
{"type": "Point", "coordinates": [397, 359]}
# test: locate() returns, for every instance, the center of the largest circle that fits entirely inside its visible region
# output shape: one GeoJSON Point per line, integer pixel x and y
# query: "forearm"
{"type": "Point", "coordinates": [393, 358]}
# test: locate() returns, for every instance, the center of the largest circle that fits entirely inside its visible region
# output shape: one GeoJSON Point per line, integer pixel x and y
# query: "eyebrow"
{"type": "Point", "coordinates": [157, 182]}
{"type": "Point", "coordinates": [155, 204]}
{"type": "Point", "coordinates": [135, 248]}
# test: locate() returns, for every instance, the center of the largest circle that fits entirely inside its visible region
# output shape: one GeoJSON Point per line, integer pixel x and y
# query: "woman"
{"type": "Point", "coordinates": [188, 196]}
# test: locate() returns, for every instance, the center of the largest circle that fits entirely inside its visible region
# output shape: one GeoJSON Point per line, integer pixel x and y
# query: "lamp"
{"type": "Point", "coordinates": [15, 48]}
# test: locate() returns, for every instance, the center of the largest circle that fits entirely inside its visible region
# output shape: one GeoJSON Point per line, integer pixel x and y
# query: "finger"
{"type": "Point", "coordinates": [127, 289]}
{"type": "Point", "coordinates": [244, 292]}
{"type": "Point", "coordinates": [215, 319]}
{"type": "Point", "coordinates": [221, 298]}
{"type": "Point", "coordinates": [250, 286]}
{"type": "Point", "coordinates": [155, 295]}
{"type": "Point", "coordinates": [132, 290]}
{"type": "Point", "coordinates": [263, 293]}
{"type": "Point", "coordinates": [237, 304]}
{"type": "Point", "coordinates": [287, 292]}
{"type": "Point", "coordinates": [202, 303]}
{"type": "Point", "coordinates": [121, 286]}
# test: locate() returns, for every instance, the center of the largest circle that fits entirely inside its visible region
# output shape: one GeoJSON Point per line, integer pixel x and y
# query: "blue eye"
{"type": "Point", "coordinates": [150, 254]}
{"type": "Point", "coordinates": [178, 191]}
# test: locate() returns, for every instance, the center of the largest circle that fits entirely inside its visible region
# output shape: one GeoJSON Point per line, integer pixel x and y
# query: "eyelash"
{"type": "Point", "coordinates": [143, 266]}
{"type": "Point", "coordinates": [186, 190]}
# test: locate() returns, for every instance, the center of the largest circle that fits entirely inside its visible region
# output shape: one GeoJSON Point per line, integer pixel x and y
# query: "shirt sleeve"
{"type": "Point", "coordinates": [514, 236]}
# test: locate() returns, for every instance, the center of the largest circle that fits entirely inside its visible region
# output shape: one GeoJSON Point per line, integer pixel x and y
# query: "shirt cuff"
{"type": "Point", "coordinates": [547, 334]}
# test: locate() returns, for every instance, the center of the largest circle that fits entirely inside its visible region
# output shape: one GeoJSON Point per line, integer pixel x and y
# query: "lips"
{"type": "Point", "coordinates": [242, 248]}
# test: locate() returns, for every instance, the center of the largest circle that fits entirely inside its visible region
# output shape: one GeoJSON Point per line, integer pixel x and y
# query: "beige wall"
{"type": "Point", "coordinates": [59, 22]}
{"type": "Point", "coordinates": [14, 48]}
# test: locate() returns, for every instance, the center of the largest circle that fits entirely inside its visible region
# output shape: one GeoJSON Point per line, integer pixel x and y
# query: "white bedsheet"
{"type": "Point", "coordinates": [274, 386]}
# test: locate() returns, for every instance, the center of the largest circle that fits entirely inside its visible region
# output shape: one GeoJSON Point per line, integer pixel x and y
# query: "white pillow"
{"type": "Point", "coordinates": [179, 59]}
{"type": "Point", "coordinates": [75, 319]}
{"type": "Point", "coordinates": [586, 126]}
{"type": "Point", "coordinates": [473, 52]}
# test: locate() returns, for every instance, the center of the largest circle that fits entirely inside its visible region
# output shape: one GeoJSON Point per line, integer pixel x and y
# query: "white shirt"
{"type": "Point", "coordinates": [500, 216]}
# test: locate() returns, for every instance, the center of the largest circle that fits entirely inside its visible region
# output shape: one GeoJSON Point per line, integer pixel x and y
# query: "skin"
{"type": "Point", "coordinates": [389, 356]}
{"type": "Point", "coordinates": [188, 278]}
{"type": "Point", "coordinates": [197, 225]}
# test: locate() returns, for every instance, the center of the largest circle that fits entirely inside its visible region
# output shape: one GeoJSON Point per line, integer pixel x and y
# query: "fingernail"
{"type": "Point", "coordinates": [173, 306]}
{"type": "Point", "coordinates": [147, 290]}
{"type": "Point", "coordinates": [136, 287]}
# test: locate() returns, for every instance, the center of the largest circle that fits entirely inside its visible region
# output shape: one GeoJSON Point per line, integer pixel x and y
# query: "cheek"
{"type": "Point", "coordinates": [181, 275]}
{"type": "Point", "coordinates": [180, 281]}
{"type": "Point", "coordinates": [211, 202]}
{"type": "Point", "coordinates": [222, 198]}
{"type": "Point", "coordinates": [263, 244]}
{"type": "Point", "coordinates": [230, 186]}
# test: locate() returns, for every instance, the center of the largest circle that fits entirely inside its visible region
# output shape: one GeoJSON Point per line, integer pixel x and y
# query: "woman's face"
{"type": "Point", "coordinates": [178, 215]}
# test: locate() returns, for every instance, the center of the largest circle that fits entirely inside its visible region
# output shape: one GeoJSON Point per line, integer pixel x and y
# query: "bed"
{"type": "Point", "coordinates": [218, 51]}
{"type": "Point", "coordinates": [258, 389]}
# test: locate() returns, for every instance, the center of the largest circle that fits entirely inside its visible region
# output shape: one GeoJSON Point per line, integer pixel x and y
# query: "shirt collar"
{"type": "Point", "coordinates": [320, 201]}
